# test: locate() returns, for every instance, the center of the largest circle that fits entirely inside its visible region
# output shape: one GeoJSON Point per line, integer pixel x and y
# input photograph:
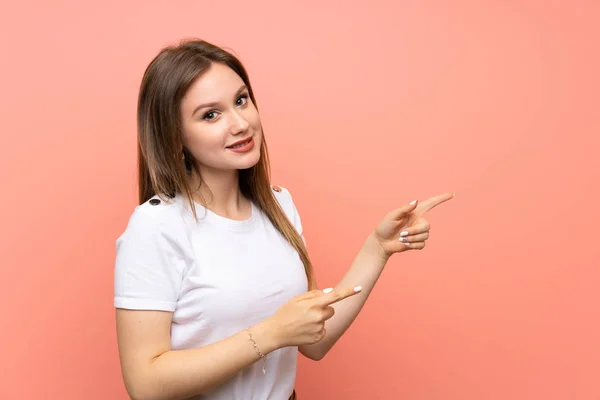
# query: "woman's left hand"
{"type": "Point", "coordinates": [405, 228]}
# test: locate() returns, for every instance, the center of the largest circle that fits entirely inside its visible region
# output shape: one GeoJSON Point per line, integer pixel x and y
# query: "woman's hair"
{"type": "Point", "coordinates": [162, 167]}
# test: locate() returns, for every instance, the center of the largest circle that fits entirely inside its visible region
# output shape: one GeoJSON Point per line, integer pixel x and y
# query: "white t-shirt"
{"type": "Point", "coordinates": [218, 276]}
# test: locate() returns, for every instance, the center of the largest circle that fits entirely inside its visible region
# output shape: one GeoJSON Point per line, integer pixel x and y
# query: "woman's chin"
{"type": "Point", "coordinates": [248, 163]}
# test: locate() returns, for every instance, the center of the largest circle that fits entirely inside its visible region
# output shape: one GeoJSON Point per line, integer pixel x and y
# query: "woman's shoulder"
{"type": "Point", "coordinates": [282, 194]}
{"type": "Point", "coordinates": [284, 197]}
{"type": "Point", "coordinates": [159, 213]}
{"type": "Point", "coordinates": [161, 205]}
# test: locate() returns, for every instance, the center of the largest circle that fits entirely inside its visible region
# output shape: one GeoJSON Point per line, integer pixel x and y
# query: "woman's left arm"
{"type": "Point", "coordinates": [401, 230]}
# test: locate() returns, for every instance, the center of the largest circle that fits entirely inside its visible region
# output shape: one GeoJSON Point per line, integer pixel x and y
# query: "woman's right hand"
{"type": "Point", "coordinates": [302, 319]}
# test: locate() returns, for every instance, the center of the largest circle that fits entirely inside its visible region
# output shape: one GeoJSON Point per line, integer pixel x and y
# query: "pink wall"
{"type": "Point", "coordinates": [365, 106]}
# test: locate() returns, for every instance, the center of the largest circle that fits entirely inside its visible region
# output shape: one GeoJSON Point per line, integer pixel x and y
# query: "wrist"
{"type": "Point", "coordinates": [373, 248]}
{"type": "Point", "coordinates": [265, 336]}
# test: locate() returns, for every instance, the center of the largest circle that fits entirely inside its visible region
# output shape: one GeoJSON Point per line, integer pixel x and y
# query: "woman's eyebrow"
{"type": "Point", "coordinates": [214, 103]}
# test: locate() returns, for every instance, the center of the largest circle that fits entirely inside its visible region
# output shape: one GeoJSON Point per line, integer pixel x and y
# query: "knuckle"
{"type": "Point", "coordinates": [317, 336]}
{"type": "Point", "coordinates": [322, 333]}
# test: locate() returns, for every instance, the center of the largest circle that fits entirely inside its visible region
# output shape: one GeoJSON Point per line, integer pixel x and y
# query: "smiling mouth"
{"type": "Point", "coordinates": [240, 144]}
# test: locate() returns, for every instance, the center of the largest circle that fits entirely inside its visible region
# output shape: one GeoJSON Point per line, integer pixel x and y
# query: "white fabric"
{"type": "Point", "coordinates": [218, 276]}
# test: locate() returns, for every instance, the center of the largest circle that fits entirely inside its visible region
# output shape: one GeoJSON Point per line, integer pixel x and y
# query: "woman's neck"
{"type": "Point", "coordinates": [220, 193]}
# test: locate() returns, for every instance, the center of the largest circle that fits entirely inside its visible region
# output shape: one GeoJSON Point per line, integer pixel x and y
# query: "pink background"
{"type": "Point", "coordinates": [366, 105]}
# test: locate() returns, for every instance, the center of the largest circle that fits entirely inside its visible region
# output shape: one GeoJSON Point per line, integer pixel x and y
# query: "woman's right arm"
{"type": "Point", "coordinates": [151, 260]}
{"type": "Point", "coordinates": [151, 371]}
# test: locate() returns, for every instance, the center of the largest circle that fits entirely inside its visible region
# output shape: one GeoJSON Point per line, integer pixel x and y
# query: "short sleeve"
{"type": "Point", "coordinates": [148, 267]}
{"type": "Point", "coordinates": [296, 220]}
{"type": "Point", "coordinates": [284, 197]}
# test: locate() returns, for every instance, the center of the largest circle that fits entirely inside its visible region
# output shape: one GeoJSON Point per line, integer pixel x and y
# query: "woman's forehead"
{"type": "Point", "coordinates": [217, 82]}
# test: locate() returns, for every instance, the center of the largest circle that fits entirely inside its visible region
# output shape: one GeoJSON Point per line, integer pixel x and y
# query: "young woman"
{"type": "Point", "coordinates": [214, 290]}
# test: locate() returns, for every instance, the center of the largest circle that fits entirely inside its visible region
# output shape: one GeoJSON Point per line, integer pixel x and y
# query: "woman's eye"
{"type": "Point", "coordinates": [243, 99]}
{"type": "Point", "coordinates": [209, 115]}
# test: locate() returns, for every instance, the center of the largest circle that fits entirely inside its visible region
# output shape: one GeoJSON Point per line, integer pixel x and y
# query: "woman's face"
{"type": "Point", "coordinates": [221, 125]}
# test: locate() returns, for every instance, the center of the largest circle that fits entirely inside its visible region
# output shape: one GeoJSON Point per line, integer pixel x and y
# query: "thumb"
{"type": "Point", "coordinates": [403, 211]}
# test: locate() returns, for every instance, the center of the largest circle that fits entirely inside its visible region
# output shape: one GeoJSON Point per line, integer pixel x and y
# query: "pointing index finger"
{"type": "Point", "coordinates": [336, 296]}
{"type": "Point", "coordinates": [434, 201]}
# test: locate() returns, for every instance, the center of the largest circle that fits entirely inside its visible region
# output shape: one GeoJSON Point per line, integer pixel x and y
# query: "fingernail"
{"type": "Point", "coordinates": [328, 290]}
{"type": "Point", "coordinates": [405, 233]}
{"type": "Point", "coordinates": [358, 288]}
{"type": "Point", "coordinates": [412, 202]}
{"type": "Point", "coordinates": [403, 239]}
{"type": "Point", "coordinates": [407, 244]}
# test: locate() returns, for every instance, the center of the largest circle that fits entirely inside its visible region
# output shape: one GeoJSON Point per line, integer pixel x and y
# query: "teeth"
{"type": "Point", "coordinates": [237, 146]}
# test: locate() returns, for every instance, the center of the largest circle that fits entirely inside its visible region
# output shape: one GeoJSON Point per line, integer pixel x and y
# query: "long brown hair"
{"type": "Point", "coordinates": [162, 167]}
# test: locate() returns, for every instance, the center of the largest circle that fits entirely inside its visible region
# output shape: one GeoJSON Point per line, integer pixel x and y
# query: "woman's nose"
{"type": "Point", "coordinates": [239, 124]}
